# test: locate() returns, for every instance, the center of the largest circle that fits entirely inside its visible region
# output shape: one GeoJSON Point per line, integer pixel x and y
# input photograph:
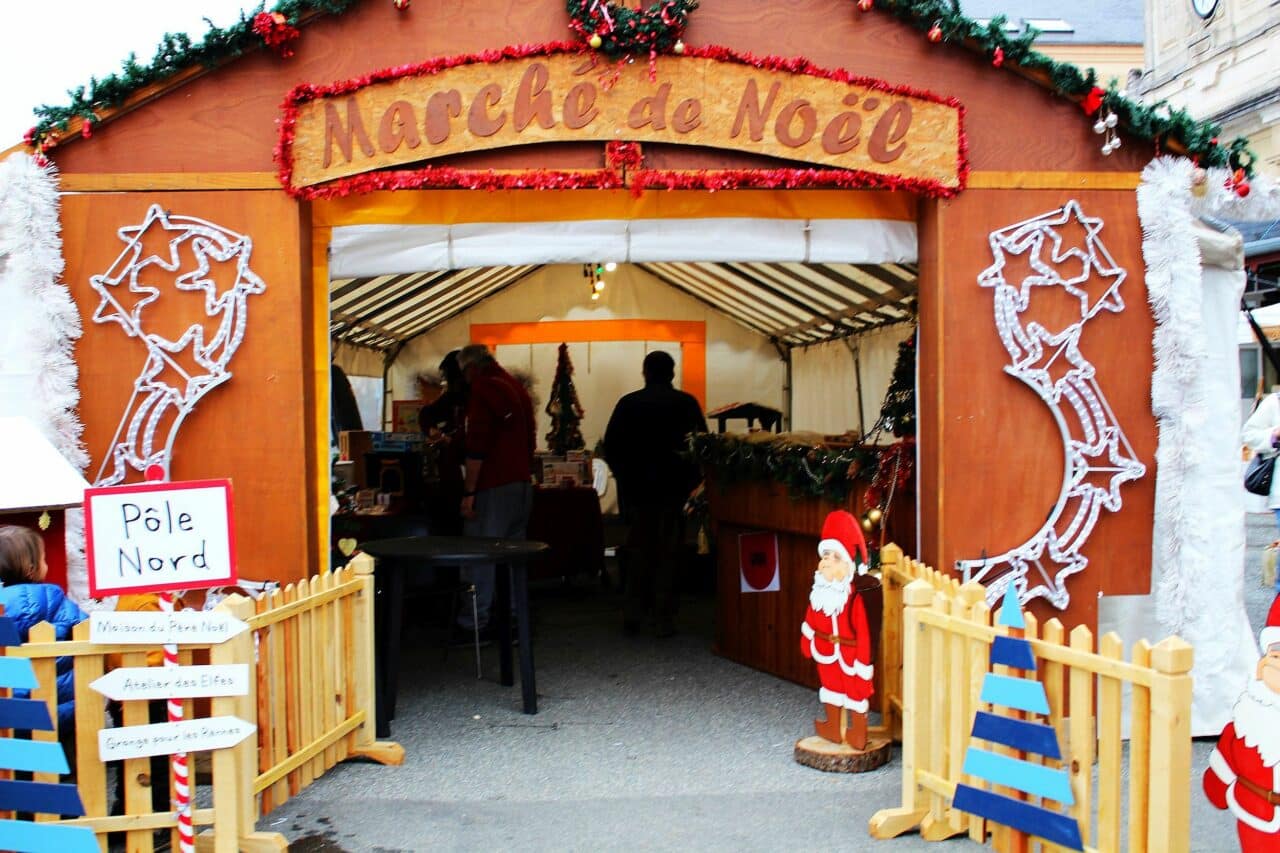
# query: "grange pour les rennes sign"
{"type": "Point", "coordinates": [816, 119]}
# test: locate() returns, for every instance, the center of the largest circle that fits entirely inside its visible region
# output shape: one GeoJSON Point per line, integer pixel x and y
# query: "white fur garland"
{"type": "Point", "coordinates": [1167, 209]}
{"type": "Point", "coordinates": [39, 324]}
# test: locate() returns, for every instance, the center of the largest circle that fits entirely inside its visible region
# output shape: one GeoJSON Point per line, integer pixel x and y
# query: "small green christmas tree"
{"type": "Point", "coordinates": [564, 408]}
{"type": "Point", "coordinates": [898, 411]}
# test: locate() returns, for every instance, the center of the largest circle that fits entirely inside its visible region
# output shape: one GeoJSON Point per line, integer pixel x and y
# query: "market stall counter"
{"type": "Point", "coordinates": [766, 536]}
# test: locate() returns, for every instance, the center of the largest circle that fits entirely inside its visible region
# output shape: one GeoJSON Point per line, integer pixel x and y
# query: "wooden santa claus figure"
{"type": "Point", "coordinates": [1244, 769]}
{"type": "Point", "coordinates": [839, 634]}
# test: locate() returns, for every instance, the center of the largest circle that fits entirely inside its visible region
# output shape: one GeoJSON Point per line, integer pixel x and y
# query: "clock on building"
{"type": "Point", "coordinates": [1204, 8]}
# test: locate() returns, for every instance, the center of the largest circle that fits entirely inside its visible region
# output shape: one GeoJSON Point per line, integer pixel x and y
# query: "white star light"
{"type": "Point", "coordinates": [1093, 442]}
{"type": "Point", "coordinates": [208, 347]}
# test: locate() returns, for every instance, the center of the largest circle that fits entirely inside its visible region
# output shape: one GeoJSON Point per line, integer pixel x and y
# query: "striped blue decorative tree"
{"type": "Point", "coordinates": [1029, 737]}
{"type": "Point", "coordinates": [34, 756]}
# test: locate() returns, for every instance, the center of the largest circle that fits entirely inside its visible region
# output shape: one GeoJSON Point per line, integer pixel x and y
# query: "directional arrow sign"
{"type": "Point", "coordinates": [168, 738]}
{"type": "Point", "coordinates": [181, 682]}
{"type": "Point", "coordinates": [156, 629]}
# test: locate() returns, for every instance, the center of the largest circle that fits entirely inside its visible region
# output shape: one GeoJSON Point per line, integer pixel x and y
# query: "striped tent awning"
{"type": "Point", "coordinates": [791, 303]}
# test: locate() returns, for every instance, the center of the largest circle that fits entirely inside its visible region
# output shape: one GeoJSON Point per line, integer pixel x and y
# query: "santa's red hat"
{"type": "Point", "coordinates": [1271, 634]}
{"type": "Point", "coordinates": [842, 534]}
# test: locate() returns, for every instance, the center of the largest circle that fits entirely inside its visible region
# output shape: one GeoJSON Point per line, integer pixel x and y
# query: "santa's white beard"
{"type": "Point", "coordinates": [1257, 720]}
{"type": "Point", "coordinates": [830, 597]}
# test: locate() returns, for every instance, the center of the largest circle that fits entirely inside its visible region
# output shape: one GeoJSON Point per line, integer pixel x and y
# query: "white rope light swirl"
{"type": "Point", "coordinates": [194, 259]}
{"type": "Point", "coordinates": [1098, 456]}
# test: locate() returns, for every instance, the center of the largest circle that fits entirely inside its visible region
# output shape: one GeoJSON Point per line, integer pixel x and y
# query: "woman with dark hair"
{"type": "Point", "coordinates": [443, 424]}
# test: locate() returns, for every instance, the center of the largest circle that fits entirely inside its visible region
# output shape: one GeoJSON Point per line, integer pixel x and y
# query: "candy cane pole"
{"type": "Point", "coordinates": [181, 780]}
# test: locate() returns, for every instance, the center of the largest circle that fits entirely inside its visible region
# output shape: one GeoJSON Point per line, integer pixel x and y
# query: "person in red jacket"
{"type": "Point", "coordinates": [1244, 769]}
{"type": "Point", "coordinates": [836, 634]}
{"type": "Point", "coordinates": [498, 486]}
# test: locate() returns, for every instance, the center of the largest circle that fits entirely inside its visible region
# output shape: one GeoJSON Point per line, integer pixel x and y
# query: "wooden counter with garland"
{"type": "Point", "coordinates": [786, 489]}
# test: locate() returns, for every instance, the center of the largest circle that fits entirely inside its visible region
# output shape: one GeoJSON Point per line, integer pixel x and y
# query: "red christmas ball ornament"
{"type": "Point", "coordinates": [935, 33]}
{"type": "Point", "coordinates": [866, 5]}
{"type": "Point", "coordinates": [997, 58]}
{"type": "Point", "coordinates": [400, 5]}
{"type": "Point", "coordinates": [1242, 189]}
{"type": "Point", "coordinates": [29, 137]}
{"type": "Point", "coordinates": [86, 129]}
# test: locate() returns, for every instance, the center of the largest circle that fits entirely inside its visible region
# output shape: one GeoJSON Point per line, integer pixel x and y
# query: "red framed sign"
{"type": "Point", "coordinates": [151, 537]}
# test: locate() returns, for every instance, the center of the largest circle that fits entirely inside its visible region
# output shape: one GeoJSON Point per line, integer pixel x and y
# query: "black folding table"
{"type": "Point", "coordinates": [397, 557]}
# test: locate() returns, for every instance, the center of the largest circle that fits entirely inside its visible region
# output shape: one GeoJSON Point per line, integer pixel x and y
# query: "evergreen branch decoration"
{"type": "Point", "coordinates": [617, 31]}
{"type": "Point", "coordinates": [1156, 122]}
{"type": "Point", "coordinates": [175, 53]}
{"type": "Point", "coordinates": [657, 29]}
{"type": "Point", "coordinates": [806, 471]}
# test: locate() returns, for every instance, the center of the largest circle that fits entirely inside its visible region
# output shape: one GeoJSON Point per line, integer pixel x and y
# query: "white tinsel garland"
{"type": "Point", "coordinates": [1167, 208]}
{"type": "Point", "coordinates": [39, 325]}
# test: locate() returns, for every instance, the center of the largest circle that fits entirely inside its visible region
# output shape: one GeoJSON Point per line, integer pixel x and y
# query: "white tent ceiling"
{"type": "Point", "coordinates": [793, 304]}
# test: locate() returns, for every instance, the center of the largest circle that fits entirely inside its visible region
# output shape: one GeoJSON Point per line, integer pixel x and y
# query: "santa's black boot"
{"type": "Point", "coordinates": [829, 729]}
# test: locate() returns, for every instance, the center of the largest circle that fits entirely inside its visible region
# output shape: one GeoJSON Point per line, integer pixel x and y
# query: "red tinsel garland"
{"type": "Point", "coordinates": [893, 472]}
{"type": "Point", "coordinates": [641, 179]}
{"type": "Point", "coordinates": [276, 32]}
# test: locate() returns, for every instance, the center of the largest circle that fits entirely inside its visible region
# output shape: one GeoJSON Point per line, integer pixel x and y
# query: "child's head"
{"type": "Point", "coordinates": [21, 556]}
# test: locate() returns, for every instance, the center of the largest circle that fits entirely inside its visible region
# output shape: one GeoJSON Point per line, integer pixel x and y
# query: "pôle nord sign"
{"type": "Point", "coordinates": [158, 536]}
{"type": "Point", "coordinates": [694, 101]}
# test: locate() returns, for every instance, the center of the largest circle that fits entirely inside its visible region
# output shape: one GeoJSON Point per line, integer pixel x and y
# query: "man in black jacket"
{"type": "Point", "coordinates": [642, 444]}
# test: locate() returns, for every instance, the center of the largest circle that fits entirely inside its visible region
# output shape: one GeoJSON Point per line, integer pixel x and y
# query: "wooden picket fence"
{"type": "Point", "coordinates": [1142, 801]}
{"type": "Point", "coordinates": [310, 646]}
{"type": "Point", "coordinates": [896, 571]}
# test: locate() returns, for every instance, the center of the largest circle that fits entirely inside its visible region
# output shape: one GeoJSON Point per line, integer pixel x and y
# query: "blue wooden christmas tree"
{"type": "Point", "coordinates": [1024, 694]}
{"type": "Point", "coordinates": [34, 756]}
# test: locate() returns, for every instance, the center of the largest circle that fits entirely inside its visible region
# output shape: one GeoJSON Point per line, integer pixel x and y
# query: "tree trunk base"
{"type": "Point", "coordinates": [822, 754]}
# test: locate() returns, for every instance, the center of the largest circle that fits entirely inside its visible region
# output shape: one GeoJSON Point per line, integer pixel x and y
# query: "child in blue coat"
{"type": "Point", "coordinates": [27, 600]}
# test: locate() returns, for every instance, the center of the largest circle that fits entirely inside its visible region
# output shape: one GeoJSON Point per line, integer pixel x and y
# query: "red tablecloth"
{"type": "Point", "coordinates": [568, 519]}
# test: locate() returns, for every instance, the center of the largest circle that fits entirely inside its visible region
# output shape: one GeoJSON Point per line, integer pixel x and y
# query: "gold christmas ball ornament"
{"type": "Point", "coordinates": [867, 525]}
{"type": "Point", "coordinates": [874, 516]}
{"type": "Point", "coordinates": [595, 41]}
{"type": "Point", "coordinates": [1199, 182]}
{"type": "Point", "coordinates": [678, 47]}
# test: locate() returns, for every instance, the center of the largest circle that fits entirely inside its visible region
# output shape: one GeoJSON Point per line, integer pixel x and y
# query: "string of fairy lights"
{"type": "Point", "coordinates": [594, 275]}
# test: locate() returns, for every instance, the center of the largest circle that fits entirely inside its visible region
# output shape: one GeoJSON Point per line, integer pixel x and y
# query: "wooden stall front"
{"type": "Point", "coordinates": [202, 145]}
{"type": "Point", "coordinates": [762, 629]}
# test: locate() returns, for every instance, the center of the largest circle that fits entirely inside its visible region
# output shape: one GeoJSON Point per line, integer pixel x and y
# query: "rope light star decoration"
{"type": "Point", "coordinates": [1047, 358]}
{"type": "Point", "coordinates": [204, 268]}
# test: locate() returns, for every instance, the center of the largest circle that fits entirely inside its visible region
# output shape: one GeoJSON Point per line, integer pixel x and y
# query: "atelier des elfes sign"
{"type": "Point", "coordinates": [693, 101]}
{"type": "Point", "coordinates": [159, 536]}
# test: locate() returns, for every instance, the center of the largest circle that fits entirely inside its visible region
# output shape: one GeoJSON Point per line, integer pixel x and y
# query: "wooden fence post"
{"type": "Point", "coordinates": [917, 596]}
{"type": "Point", "coordinates": [889, 666]}
{"type": "Point", "coordinates": [362, 652]}
{"type": "Point", "coordinates": [1170, 747]}
{"type": "Point", "coordinates": [235, 804]}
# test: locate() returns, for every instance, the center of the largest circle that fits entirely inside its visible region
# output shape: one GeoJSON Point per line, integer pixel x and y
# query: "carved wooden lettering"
{"type": "Point", "coordinates": [697, 101]}
{"type": "Point", "coordinates": [335, 131]}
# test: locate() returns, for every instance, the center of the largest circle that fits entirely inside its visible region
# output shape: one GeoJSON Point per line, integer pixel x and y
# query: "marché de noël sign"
{"type": "Point", "coordinates": [138, 521]}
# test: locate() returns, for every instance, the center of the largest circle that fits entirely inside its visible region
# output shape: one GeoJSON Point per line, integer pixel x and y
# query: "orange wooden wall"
{"type": "Point", "coordinates": [992, 455]}
{"type": "Point", "coordinates": [253, 428]}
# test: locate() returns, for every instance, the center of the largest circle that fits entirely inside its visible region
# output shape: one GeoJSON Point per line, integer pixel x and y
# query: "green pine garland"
{"type": "Point", "coordinates": [175, 53]}
{"type": "Point", "coordinates": [806, 471]}
{"type": "Point", "coordinates": [1155, 122]}
{"type": "Point", "coordinates": [624, 31]}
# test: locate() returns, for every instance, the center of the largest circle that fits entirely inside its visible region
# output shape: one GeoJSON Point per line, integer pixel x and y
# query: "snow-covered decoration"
{"type": "Point", "coordinates": [192, 259]}
{"type": "Point", "coordinates": [1099, 458]}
